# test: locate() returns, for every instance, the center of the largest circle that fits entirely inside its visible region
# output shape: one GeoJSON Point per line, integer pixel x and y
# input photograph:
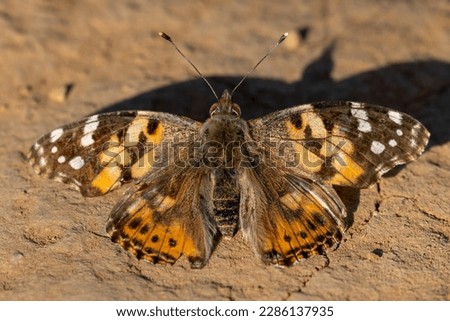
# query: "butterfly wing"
{"type": "Point", "coordinates": [340, 143]}
{"type": "Point", "coordinates": [168, 215]}
{"type": "Point", "coordinates": [100, 153]}
{"type": "Point", "coordinates": [288, 218]}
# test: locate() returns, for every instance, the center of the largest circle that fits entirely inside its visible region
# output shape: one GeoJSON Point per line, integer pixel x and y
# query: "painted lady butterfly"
{"type": "Point", "coordinates": [193, 182]}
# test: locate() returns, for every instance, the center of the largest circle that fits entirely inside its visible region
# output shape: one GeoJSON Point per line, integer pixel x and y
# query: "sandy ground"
{"type": "Point", "coordinates": [61, 60]}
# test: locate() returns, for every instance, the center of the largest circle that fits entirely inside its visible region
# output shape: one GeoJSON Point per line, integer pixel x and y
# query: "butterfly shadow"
{"type": "Point", "coordinates": [419, 88]}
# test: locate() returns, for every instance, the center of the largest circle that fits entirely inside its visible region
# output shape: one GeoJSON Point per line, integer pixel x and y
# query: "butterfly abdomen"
{"type": "Point", "coordinates": [226, 201]}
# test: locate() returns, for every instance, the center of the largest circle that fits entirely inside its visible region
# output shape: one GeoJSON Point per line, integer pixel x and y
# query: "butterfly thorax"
{"type": "Point", "coordinates": [223, 134]}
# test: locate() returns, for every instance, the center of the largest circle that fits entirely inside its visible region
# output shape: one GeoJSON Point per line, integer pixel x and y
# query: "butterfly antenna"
{"type": "Point", "coordinates": [283, 36]}
{"type": "Point", "coordinates": [167, 37]}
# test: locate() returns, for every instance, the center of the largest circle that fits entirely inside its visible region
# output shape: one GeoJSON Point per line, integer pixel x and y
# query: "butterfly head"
{"type": "Point", "coordinates": [225, 106]}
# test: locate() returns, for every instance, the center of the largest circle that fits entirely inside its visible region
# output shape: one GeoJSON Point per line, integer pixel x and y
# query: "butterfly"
{"type": "Point", "coordinates": [192, 183]}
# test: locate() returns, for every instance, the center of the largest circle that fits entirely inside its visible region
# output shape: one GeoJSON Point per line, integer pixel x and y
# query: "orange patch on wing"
{"type": "Point", "coordinates": [291, 201]}
{"type": "Point", "coordinates": [164, 202]}
{"type": "Point", "coordinates": [115, 154]}
{"type": "Point", "coordinates": [110, 159]}
{"type": "Point", "coordinates": [307, 159]}
{"type": "Point", "coordinates": [168, 243]}
{"type": "Point", "coordinates": [347, 174]}
{"type": "Point", "coordinates": [140, 125]}
{"type": "Point", "coordinates": [296, 201]}
{"type": "Point", "coordinates": [143, 165]}
{"type": "Point", "coordinates": [311, 119]}
{"type": "Point", "coordinates": [300, 234]}
{"type": "Point", "coordinates": [157, 242]}
{"type": "Point", "coordinates": [107, 179]}
{"type": "Point", "coordinates": [303, 209]}
{"type": "Point", "coordinates": [140, 216]}
{"type": "Point", "coordinates": [285, 241]}
{"type": "Point", "coordinates": [341, 151]}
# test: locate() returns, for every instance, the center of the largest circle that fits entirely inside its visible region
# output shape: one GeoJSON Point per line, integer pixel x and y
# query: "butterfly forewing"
{"type": "Point", "coordinates": [340, 143]}
{"type": "Point", "coordinates": [100, 153]}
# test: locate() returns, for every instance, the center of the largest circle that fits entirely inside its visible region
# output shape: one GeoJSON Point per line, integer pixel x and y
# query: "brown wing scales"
{"type": "Point", "coordinates": [297, 219]}
{"type": "Point", "coordinates": [101, 153]}
{"type": "Point", "coordinates": [149, 222]}
{"type": "Point", "coordinates": [341, 143]}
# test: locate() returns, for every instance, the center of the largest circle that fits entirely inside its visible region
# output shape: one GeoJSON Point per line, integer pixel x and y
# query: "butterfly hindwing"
{"type": "Point", "coordinates": [101, 152]}
{"type": "Point", "coordinates": [341, 143]}
{"type": "Point", "coordinates": [288, 218]}
{"type": "Point", "coordinates": [166, 216]}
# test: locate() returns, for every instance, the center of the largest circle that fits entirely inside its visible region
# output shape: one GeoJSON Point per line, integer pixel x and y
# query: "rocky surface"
{"type": "Point", "coordinates": [62, 60]}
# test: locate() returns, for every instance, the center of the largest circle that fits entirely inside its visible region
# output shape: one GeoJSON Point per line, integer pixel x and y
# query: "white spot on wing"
{"type": "Point", "coordinates": [87, 140]}
{"type": "Point", "coordinates": [61, 159]}
{"type": "Point", "coordinates": [392, 143]}
{"type": "Point", "coordinates": [414, 130]}
{"type": "Point", "coordinates": [40, 151]}
{"type": "Point", "coordinates": [56, 134]}
{"type": "Point", "coordinates": [90, 127]}
{"type": "Point", "coordinates": [395, 116]}
{"type": "Point", "coordinates": [91, 119]}
{"type": "Point", "coordinates": [42, 162]}
{"type": "Point", "coordinates": [76, 162]}
{"type": "Point", "coordinates": [364, 126]}
{"type": "Point", "coordinates": [399, 132]}
{"type": "Point", "coordinates": [377, 147]}
{"type": "Point", "coordinates": [359, 113]}
{"type": "Point", "coordinates": [88, 130]}
{"type": "Point", "coordinates": [356, 105]}
{"type": "Point", "coordinates": [54, 149]}
{"type": "Point", "coordinates": [362, 118]}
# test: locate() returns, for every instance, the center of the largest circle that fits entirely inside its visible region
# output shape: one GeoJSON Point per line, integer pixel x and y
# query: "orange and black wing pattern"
{"type": "Point", "coordinates": [340, 143]}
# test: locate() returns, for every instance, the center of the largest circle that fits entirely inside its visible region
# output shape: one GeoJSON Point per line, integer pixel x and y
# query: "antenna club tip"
{"type": "Point", "coordinates": [283, 36]}
{"type": "Point", "coordinates": [164, 36]}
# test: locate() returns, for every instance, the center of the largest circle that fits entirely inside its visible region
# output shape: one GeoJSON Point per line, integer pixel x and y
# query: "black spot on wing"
{"type": "Point", "coordinates": [308, 132]}
{"type": "Point", "coordinates": [152, 126]}
{"type": "Point", "coordinates": [144, 229]}
{"type": "Point", "coordinates": [172, 243]}
{"type": "Point", "coordinates": [328, 124]}
{"type": "Point", "coordinates": [135, 223]}
{"type": "Point", "coordinates": [296, 120]}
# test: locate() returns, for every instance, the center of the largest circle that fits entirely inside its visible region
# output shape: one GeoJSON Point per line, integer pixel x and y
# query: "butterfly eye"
{"type": "Point", "coordinates": [236, 110]}
{"type": "Point", "coordinates": [214, 109]}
